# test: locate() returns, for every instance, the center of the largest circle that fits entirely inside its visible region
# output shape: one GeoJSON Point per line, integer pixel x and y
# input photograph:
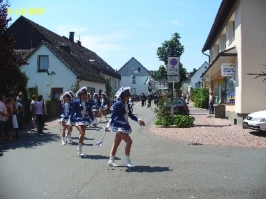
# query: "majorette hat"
{"type": "Point", "coordinates": [122, 92]}
{"type": "Point", "coordinates": [67, 94]}
{"type": "Point", "coordinates": [72, 94]}
{"type": "Point", "coordinates": [81, 91]}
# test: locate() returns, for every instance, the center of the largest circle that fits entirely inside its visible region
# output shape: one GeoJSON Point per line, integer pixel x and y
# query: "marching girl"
{"type": "Point", "coordinates": [104, 106]}
{"type": "Point", "coordinates": [81, 116]}
{"type": "Point", "coordinates": [120, 125]}
{"type": "Point", "coordinates": [69, 130]}
{"type": "Point", "coordinates": [65, 110]}
{"type": "Point", "coordinates": [96, 105]}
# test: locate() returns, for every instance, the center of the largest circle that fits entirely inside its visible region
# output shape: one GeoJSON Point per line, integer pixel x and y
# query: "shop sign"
{"type": "Point", "coordinates": [227, 69]}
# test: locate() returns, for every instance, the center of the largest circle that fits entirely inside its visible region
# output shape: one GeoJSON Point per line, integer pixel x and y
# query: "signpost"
{"type": "Point", "coordinates": [173, 74]}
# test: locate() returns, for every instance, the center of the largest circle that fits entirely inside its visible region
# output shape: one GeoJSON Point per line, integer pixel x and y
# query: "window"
{"type": "Point", "coordinates": [90, 90]}
{"type": "Point", "coordinates": [43, 63]}
{"type": "Point", "coordinates": [138, 69]}
{"type": "Point", "coordinates": [233, 29]}
{"type": "Point", "coordinates": [56, 93]}
{"type": "Point", "coordinates": [100, 92]}
{"type": "Point", "coordinates": [133, 79]}
{"type": "Point", "coordinates": [126, 70]}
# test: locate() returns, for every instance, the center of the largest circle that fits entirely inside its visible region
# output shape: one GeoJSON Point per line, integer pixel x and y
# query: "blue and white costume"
{"type": "Point", "coordinates": [81, 113]}
{"type": "Point", "coordinates": [65, 108]}
{"type": "Point", "coordinates": [104, 102]}
{"type": "Point", "coordinates": [96, 103]}
{"type": "Point", "coordinates": [121, 112]}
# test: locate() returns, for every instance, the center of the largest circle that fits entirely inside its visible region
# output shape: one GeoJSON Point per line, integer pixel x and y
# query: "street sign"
{"type": "Point", "coordinates": [173, 78]}
{"type": "Point", "coordinates": [173, 66]}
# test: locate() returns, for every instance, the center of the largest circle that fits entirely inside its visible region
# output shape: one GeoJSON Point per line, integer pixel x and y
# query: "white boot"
{"type": "Point", "coordinates": [63, 140]}
{"type": "Point", "coordinates": [111, 162]}
{"type": "Point", "coordinates": [80, 150]}
{"type": "Point", "coordinates": [128, 162]}
{"type": "Point", "coordinates": [69, 139]}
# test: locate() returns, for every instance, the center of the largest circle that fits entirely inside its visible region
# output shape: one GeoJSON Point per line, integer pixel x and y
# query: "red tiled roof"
{"type": "Point", "coordinates": [30, 35]}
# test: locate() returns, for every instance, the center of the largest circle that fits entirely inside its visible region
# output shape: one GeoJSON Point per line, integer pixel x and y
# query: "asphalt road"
{"type": "Point", "coordinates": [40, 167]}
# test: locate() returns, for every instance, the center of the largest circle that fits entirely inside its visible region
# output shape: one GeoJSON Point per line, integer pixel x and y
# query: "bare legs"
{"type": "Point", "coordinates": [81, 130]}
{"type": "Point", "coordinates": [118, 138]}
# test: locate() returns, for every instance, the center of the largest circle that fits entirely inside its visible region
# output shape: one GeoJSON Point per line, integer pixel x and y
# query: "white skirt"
{"type": "Point", "coordinates": [15, 122]}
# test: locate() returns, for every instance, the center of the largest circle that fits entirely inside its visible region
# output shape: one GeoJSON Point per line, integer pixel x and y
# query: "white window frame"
{"type": "Point", "coordinates": [43, 63]}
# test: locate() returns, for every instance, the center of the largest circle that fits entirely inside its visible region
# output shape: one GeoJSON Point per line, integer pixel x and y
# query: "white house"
{"type": "Point", "coordinates": [237, 45]}
{"type": "Point", "coordinates": [195, 79]}
{"type": "Point", "coordinates": [56, 64]}
{"type": "Point", "coordinates": [135, 75]}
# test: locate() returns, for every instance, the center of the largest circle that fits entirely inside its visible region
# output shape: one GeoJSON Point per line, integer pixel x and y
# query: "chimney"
{"type": "Point", "coordinates": [65, 47]}
{"type": "Point", "coordinates": [79, 43]}
{"type": "Point", "coordinates": [194, 69]}
{"type": "Point", "coordinates": [71, 36]}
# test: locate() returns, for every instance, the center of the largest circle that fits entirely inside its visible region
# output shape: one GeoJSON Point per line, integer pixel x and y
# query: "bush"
{"type": "Point", "coordinates": [200, 97]}
{"type": "Point", "coordinates": [178, 120]}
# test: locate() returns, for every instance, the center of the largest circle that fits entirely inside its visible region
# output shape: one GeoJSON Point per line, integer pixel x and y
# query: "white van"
{"type": "Point", "coordinates": [256, 121]}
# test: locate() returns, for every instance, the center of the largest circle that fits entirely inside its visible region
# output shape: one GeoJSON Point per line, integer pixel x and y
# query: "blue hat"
{"type": "Point", "coordinates": [95, 94]}
{"type": "Point", "coordinates": [122, 92]}
{"type": "Point", "coordinates": [81, 91]}
{"type": "Point", "coordinates": [104, 94]}
{"type": "Point", "coordinates": [67, 94]}
{"type": "Point", "coordinates": [72, 94]}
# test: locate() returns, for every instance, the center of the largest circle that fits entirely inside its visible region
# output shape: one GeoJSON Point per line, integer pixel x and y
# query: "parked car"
{"type": "Point", "coordinates": [256, 121]}
{"type": "Point", "coordinates": [135, 97]}
{"type": "Point", "coordinates": [180, 106]}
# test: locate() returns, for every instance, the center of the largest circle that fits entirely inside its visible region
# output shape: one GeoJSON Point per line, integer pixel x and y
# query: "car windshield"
{"type": "Point", "coordinates": [178, 102]}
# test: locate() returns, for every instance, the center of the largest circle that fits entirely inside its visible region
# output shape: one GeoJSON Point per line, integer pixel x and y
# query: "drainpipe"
{"type": "Point", "coordinates": [209, 66]}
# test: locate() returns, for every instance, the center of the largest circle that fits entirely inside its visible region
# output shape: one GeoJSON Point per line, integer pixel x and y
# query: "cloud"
{"type": "Point", "coordinates": [144, 24]}
{"type": "Point", "coordinates": [176, 22]}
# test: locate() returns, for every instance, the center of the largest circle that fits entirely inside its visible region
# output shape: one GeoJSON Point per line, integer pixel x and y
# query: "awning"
{"type": "Point", "coordinates": [227, 56]}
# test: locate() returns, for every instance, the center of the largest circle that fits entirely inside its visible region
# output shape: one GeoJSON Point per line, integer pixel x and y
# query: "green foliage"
{"type": "Point", "coordinates": [177, 120]}
{"type": "Point", "coordinates": [200, 97]}
{"type": "Point", "coordinates": [108, 87]}
{"type": "Point", "coordinates": [172, 48]}
{"type": "Point", "coordinates": [74, 87]}
{"type": "Point", "coordinates": [162, 110]}
{"type": "Point", "coordinates": [33, 91]}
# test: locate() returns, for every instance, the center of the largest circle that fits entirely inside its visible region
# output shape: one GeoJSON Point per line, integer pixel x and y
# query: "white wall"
{"type": "Point", "coordinates": [63, 78]}
{"type": "Point", "coordinates": [139, 86]}
{"type": "Point", "coordinates": [197, 76]}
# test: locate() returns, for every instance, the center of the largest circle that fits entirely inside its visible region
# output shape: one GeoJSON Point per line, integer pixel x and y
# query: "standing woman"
{"type": "Point", "coordinates": [120, 125]}
{"type": "Point", "coordinates": [104, 106]}
{"type": "Point", "coordinates": [40, 110]}
{"type": "Point", "coordinates": [81, 116]}
{"type": "Point", "coordinates": [65, 109]}
{"type": "Point", "coordinates": [96, 105]}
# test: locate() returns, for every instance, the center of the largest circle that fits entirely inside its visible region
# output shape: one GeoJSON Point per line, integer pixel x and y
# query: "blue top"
{"type": "Point", "coordinates": [118, 113]}
{"type": "Point", "coordinates": [65, 110]}
{"type": "Point", "coordinates": [104, 102]}
{"type": "Point", "coordinates": [76, 110]}
{"type": "Point", "coordinates": [97, 102]}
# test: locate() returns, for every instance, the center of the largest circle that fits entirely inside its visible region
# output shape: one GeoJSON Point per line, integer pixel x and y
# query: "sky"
{"type": "Point", "coordinates": [118, 30]}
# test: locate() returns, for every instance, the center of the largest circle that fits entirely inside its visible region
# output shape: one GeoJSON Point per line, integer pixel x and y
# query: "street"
{"type": "Point", "coordinates": [167, 164]}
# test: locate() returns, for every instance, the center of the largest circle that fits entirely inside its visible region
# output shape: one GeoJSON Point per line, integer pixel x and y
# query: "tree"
{"type": "Point", "coordinates": [172, 48]}
{"type": "Point", "coordinates": [12, 79]}
{"type": "Point", "coordinates": [262, 74]}
{"type": "Point", "coordinates": [108, 87]}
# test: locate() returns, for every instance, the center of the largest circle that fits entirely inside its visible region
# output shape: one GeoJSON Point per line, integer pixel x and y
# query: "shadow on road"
{"type": "Point", "coordinates": [29, 139]}
{"type": "Point", "coordinates": [258, 133]}
{"type": "Point", "coordinates": [96, 157]}
{"type": "Point", "coordinates": [148, 169]}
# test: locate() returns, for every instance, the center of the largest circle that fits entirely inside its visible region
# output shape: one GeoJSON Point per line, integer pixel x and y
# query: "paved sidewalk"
{"type": "Point", "coordinates": [212, 131]}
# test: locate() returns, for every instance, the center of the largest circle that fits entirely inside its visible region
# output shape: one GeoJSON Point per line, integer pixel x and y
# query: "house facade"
{"type": "Point", "coordinates": [196, 80]}
{"type": "Point", "coordinates": [237, 46]}
{"type": "Point", "coordinates": [56, 64]}
{"type": "Point", "coordinates": [135, 75]}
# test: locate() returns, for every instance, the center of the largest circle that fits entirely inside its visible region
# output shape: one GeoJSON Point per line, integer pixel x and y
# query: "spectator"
{"type": "Point", "coordinates": [14, 118]}
{"type": "Point", "coordinates": [20, 113]}
{"type": "Point", "coordinates": [32, 107]}
{"type": "Point", "coordinates": [211, 100]}
{"type": "Point", "coordinates": [8, 129]}
{"type": "Point", "coordinates": [3, 116]}
{"type": "Point", "coordinates": [40, 110]}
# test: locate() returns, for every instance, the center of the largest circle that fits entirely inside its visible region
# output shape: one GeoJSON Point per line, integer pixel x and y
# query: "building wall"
{"type": "Point", "coordinates": [139, 87]}
{"type": "Point", "coordinates": [253, 47]}
{"type": "Point", "coordinates": [197, 76]}
{"type": "Point", "coordinates": [64, 77]}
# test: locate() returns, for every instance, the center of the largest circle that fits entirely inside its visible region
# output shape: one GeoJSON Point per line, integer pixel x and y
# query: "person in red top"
{"type": "Point", "coordinates": [9, 124]}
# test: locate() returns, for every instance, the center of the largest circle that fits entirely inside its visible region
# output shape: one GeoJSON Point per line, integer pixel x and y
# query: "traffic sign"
{"type": "Point", "coordinates": [173, 66]}
{"type": "Point", "coordinates": [173, 78]}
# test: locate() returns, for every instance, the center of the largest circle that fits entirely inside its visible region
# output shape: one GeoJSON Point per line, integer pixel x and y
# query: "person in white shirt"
{"type": "Point", "coordinates": [40, 111]}
{"type": "Point", "coordinates": [3, 115]}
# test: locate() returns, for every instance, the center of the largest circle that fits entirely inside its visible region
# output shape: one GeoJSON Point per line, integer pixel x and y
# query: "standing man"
{"type": "Point", "coordinates": [20, 113]}
{"type": "Point", "coordinates": [211, 100]}
{"type": "Point", "coordinates": [3, 116]}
